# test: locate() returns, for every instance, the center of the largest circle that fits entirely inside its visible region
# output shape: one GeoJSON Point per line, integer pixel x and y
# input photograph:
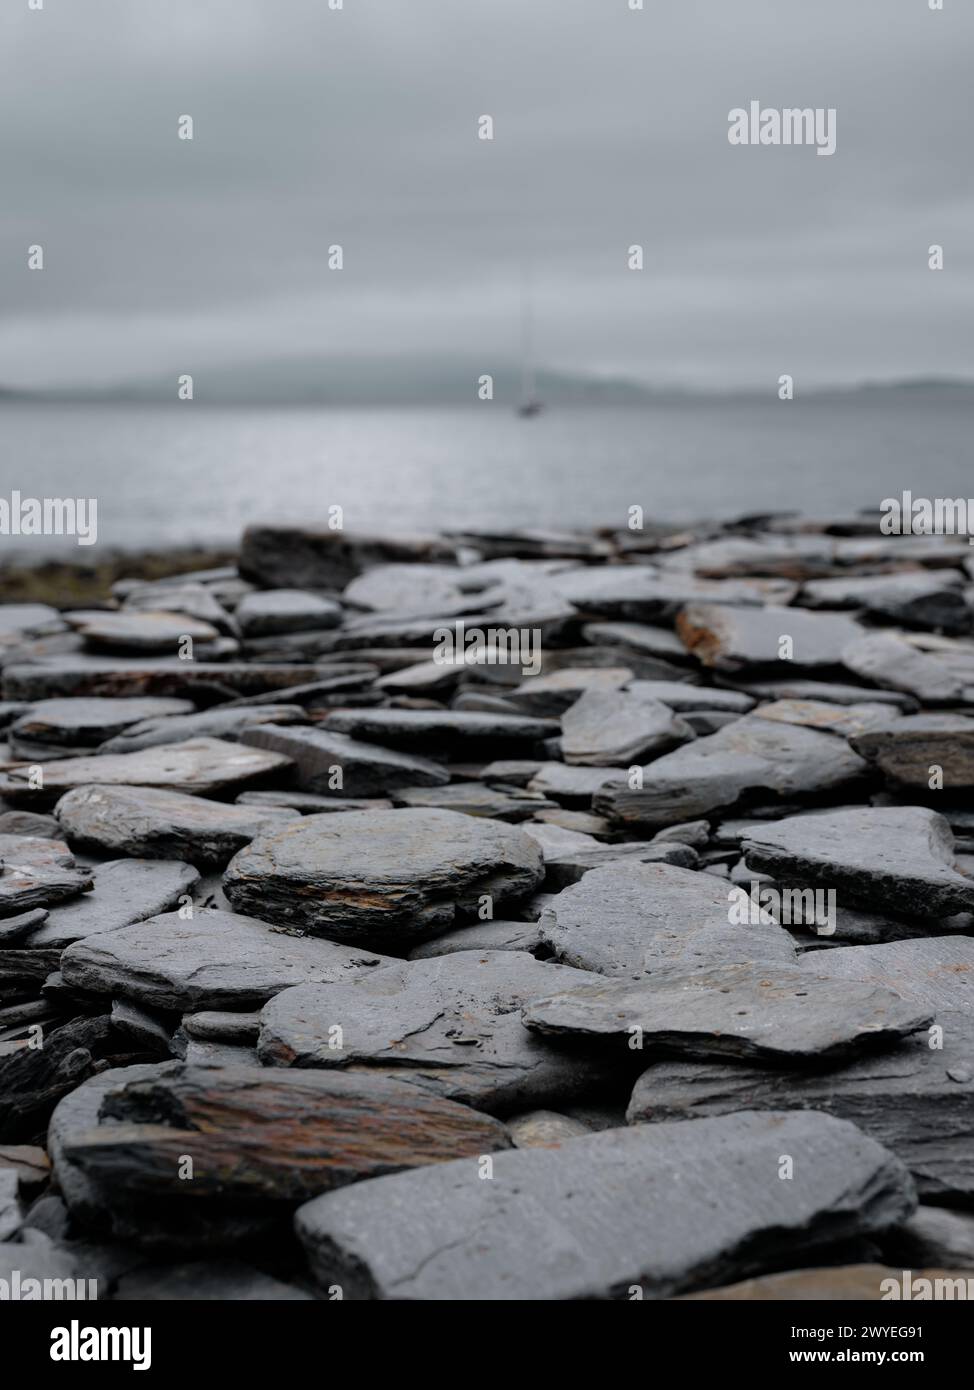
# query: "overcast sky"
{"type": "Point", "coordinates": [359, 127]}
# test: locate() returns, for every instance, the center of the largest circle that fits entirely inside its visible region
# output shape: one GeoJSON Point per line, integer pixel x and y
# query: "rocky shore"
{"type": "Point", "coordinates": [496, 915]}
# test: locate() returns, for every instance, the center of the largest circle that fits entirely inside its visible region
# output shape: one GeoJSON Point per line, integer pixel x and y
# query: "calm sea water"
{"type": "Point", "coordinates": [172, 475]}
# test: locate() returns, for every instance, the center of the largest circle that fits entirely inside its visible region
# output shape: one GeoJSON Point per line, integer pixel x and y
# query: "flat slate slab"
{"type": "Point", "coordinates": [936, 972]}
{"type": "Point", "coordinates": [125, 891]}
{"type": "Point", "coordinates": [367, 769]}
{"type": "Point", "coordinates": [933, 599]}
{"type": "Point", "coordinates": [214, 960]}
{"type": "Point", "coordinates": [139, 631]}
{"type": "Point", "coordinates": [915, 1098]}
{"type": "Point", "coordinates": [150, 823]}
{"type": "Point", "coordinates": [896, 857]}
{"type": "Point", "coordinates": [908, 750]}
{"type": "Point", "coordinates": [573, 784]}
{"type": "Point", "coordinates": [412, 727]}
{"type": "Point", "coordinates": [481, 936]}
{"type": "Point", "coordinates": [393, 877]}
{"type": "Point", "coordinates": [600, 1215]}
{"type": "Point", "coordinates": [735, 639]}
{"type": "Point", "coordinates": [74, 722]}
{"type": "Point", "coordinates": [200, 766]}
{"type": "Point", "coordinates": [848, 721]}
{"type": "Point", "coordinates": [752, 755]}
{"type": "Point", "coordinates": [316, 558]}
{"type": "Point", "coordinates": [634, 919]}
{"type": "Point", "coordinates": [450, 1025]}
{"type": "Point", "coordinates": [639, 592]}
{"type": "Point", "coordinates": [261, 1135]}
{"type": "Point", "coordinates": [228, 723]}
{"type": "Point", "coordinates": [272, 611]}
{"type": "Point", "coordinates": [37, 872]}
{"type": "Point", "coordinates": [891, 662]}
{"type": "Point", "coordinates": [512, 804]}
{"type": "Point", "coordinates": [786, 1016]}
{"type": "Point", "coordinates": [619, 727]}
{"type": "Point", "coordinates": [117, 677]}
{"type": "Point", "coordinates": [548, 696]}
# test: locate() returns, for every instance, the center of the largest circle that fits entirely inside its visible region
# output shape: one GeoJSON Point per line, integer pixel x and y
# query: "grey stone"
{"type": "Point", "coordinates": [61, 676]}
{"type": "Point", "coordinates": [442, 728]}
{"type": "Point", "coordinates": [551, 694]}
{"type": "Point", "coordinates": [895, 857]}
{"type": "Point", "coordinates": [125, 891]}
{"type": "Point", "coordinates": [310, 558]}
{"type": "Point", "coordinates": [366, 768]}
{"type": "Point", "coordinates": [33, 1079]}
{"type": "Point", "coordinates": [831, 692]}
{"type": "Point", "coordinates": [785, 1016]}
{"type": "Point", "coordinates": [573, 784]}
{"type": "Point", "coordinates": [641, 593]}
{"type": "Point", "coordinates": [602, 1214]}
{"type": "Point", "coordinates": [226, 724]}
{"type": "Point", "coordinates": [752, 755]}
{"type": "Point", "coordinates": [633, 919]}
{"type": "Point", "coordinates": [156, 824]}
{"type": "Point", "coordinates": [906, 1097]}
{"type": "Point", "coordinates": [890, 661]}
{"type": "Point", "coordinates": [176, 596]}
{"type": "Point", "coordinates": [37, 873]}
{"type": "Point", "coordinates": [475, 799]}
{"type": "Point", "coordinates": [844, 720]}
{"type": "Point", "coordinates": [14, 929]}
{"type": "Point", "coordinates": [483, 936]}
{"type": "Point", "coordinates": [199, 766]}
{"type": "Point", "coordinates": [392, 877]}
{"type": "Point", "coordinates": [919, 599]}
{"type": "Point", "coordinates": [936, 972]}
{"type": "Point", "coordinates": [620, 727]}
{"type": "Point", "coordinates": [569, 854]}
{"type": "Point", "coordinates": [29, 823]}
{"type": "Point", "coordinates": [213, 1026]}
{"type": "Point", "coordinates": [214, 960]}
{"type": "Point", "coordinates": [638, 637]}
{"type": "Point", "coordinates": [907, 750]}
{"type": "Point", "coordinates": [449, 1025]}
{"type": "Point", "coordinates": [736, 639]}
{"type": "Point", "coordinates": [310, 803]}
{"type": "Point", "coordinates": [146, 1028]}
{"type": "Point", "coordinates": [273, 611]}
{"type": "Point", "coordinates": [11, 1216]}
{"type": "Point", "coordinates": [89, 722]}
{"type": "Point", "coordinates": [139, 631]}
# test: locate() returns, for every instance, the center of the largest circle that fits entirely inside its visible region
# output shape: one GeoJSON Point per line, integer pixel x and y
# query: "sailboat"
{"type": "Point", "coordinates": [529, 403]}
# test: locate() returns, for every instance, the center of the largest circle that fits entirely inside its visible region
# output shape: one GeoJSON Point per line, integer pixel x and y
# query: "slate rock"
{"type": "Point", "coordinates": [89, 722]}
{"type": "Point", "coordinates": [142, 631]}
{"type": "Point", "coordinates": [842, 1283]}
{"type": "Point", "coordinates": [310, 803]}
{"type": "Point", "coordinates": [311, 558]}
{"type": "Point", "coordinates": [394, 877]}
{"type": "Point", "coordinates": [830, 692]}
{"type": "Point", "coordinates": [573, 785]}
{"type": "Point", "coordinates": [642, 638]}
{"type": "Point", "coordinates": [641, 593]}
{"type": "Point", "coordinates": [474, 799]}
{"type": "Point", "coordinates": [752, 755]}
{"type": "Point", "coordinates": [146, 1028]}
{"type": "Point", "coordinates": [125, 891]}
{"type": "Point", "coordinates": [450, 1025]}
{"type": "Point", "coordinates": [601, 1214]}
{"type": "Point", "coordinates": [918, 599]}
{"type": "Point", "coordinates": [33, 1079]}
{"type": "Point", "coordinates": [214, 1026]}
{"type": "Point", "coordinates": [786, 1016]}
{"type": "Point", "coordinates": [936, 972]}
{"type": "Point", "coordinates": [15, 929]}
{"type": "Point", "coordinates": [61, 676]}
{"type": "Point", "coordinates": [366, 768]}
{"type": "Point", "coordinates": [619, 727]}
{"type": "Point", "coordinates": [273, 611]}
{"type": "Point", "coordinates": [200, 766]}
{"type": "Point", "coordinates": [569, 854]}
{"type": "Point", "coordinates": [735, 639]}
{"type": "Point", "coordinates": [906, 1098]}
{"type": "Point", "coordinates": [848, 721]}
{"type": "Point", "coordinates": [37, 873]}
{"type": "Point", "coordinates": [269, 1136]}
{"type": "Point", "coordinates": [214, 960]}
{"type": "Point", "coordinates": [550, 695]}
{"type": "Point", "coordinates": [892, 662]}
{"type": "Point", "coordinates": [152, 823]}
{"type": "Point", "coordinates": [895, 857]}
{"type": "Point", "coordinates": [483, 936]}
{"type": "Point", "coordinates": [11, 1216]}
{"type": "Point", "coordinates": [225, 723]}
{"type": "Point", "coordinates": [906, 750]}
{"type": "Point", "coordinates": [29, 823]}
{"type": "Point", "coordinates": [634, 919]}
{"type": "Point", "coordinates": [443, 728]}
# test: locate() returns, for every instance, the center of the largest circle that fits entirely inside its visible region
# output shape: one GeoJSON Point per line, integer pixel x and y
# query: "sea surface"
{"type": "Point", "coordinates": [167, 475]}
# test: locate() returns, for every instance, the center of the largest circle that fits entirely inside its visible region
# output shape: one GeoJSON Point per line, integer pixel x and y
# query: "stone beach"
{"type": "Point", "coordinates": [507, 915]}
